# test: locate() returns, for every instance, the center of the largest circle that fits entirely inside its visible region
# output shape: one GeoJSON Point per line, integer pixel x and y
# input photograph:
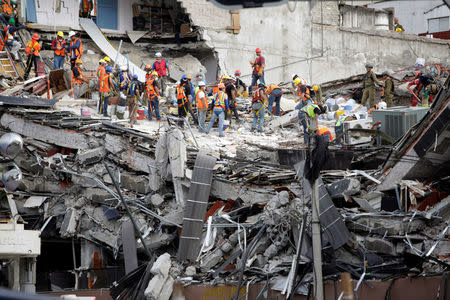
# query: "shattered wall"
{"type": "Point", "coordinates": [307, 41]}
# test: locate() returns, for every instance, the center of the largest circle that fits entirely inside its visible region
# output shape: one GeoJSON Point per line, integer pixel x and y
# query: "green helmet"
{"type": "Point", "coordinates": [12, 21]}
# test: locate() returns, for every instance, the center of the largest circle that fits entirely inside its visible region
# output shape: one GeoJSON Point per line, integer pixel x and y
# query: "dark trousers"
{"type": "Point", "coordinates": [233, 110]}
{"type": "Point", "coordinates": [31, 59]}
{"type": "Point", "coordinates": [72, 63]}
{"type": "Point", "coordinates": [153, 107]}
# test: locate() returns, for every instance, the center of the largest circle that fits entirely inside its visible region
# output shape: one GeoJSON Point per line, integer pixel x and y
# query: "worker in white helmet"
{"type": "Point", "coordinates": [75, 48]}
{"type": "Point", "coordinates": [124, 78]}
{"type": "Point", "coordinates": [161, 67]}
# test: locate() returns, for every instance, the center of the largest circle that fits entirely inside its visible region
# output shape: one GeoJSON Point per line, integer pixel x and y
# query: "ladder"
{"type": "Point", "coordinates": [7, 66]}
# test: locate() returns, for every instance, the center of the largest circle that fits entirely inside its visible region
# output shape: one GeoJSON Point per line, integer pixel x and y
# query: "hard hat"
{"type": "Point", "coordinates": [201, 83]}
{"type": "Point", "coordinates": [147, 67]}
{"type": "Point", "coordinates": [35, 36]}
{"type": "Point", "coordinates": [107, 59]}
{"type": "Point", "coordinates": [189, 76]}
{"type": "Point", "coordinates": [297, 81]}
{"type": "Point", "coordinates": [398, 29]}
{"type": "Point", "coordinates": [109, 69]}
{"type": "Point", "coordinates": [237, 73]}
{"type": "Point", "coordinates": [315, 87]}
{"type": "Point", "coordinates": [368, 65]}
{"type": "Point", "coordinates": [135, 76]}
{"type": "Point", "coordinates": [294, 76]}
{"type": "Point", "coordinates": [102, 61]}
{"type": "Point", "coordinates": [221, 86]}
{"type": "Point", "coordinates": [158, 54]}
{"type": "Point", "coordinates": [78, 61]}
{"type": "Point", "coordinates": [11, 144]}
{"type": "Point", "coordinates": [12, 21]}
{"type": "Point", "coordinates": [154, 73]}
{"type": "Point", "coordinates": [71, 33]}
{"type": "Point", "coordinates": [60, 33]}
{"type": "Point", "coordinates": [123, 68]}
{"type": "Point", "coordinates": [226, 77]}
{"type": "Point", "coordinates": [382, 105]}
{"type": "Point", "coordinates": [184, 77]}
{"type": "Point", "coordinates": [258, 50]}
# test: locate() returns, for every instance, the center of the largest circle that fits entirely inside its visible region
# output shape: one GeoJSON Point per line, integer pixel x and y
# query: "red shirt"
{"type": "Point", "coordinates": [259, 61]}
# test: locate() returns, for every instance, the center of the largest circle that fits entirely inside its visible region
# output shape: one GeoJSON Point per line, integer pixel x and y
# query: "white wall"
{"type": "Point", "coordinates": [46, 13]}
{"type": "Point", "coordinates": [412, 15]}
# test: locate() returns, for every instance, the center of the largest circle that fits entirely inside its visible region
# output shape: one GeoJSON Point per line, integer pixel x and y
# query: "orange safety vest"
{"type": "Point", "coordinates": [325, 130]}
{"type": "Point", "coordinates": [219, 100]}
{"type": "Point", "coordinates": [257, 95]}
{"type": "Point", "coordinates": [148, 76]}
{"type": "Point", "coordinates": [104, 84]}
{"type": "Point", "coordinates": [62, 44]}
{"type": "Point", "coordinates": [7, 9]}
{"type": "Point", "coordinates": [79, 51]}
{"type": "Point", "coordinates": [180, 94]}
{"type": "Point", "coordinates": [203, 102]}
{"type": "Point", "coordinates": [150, 89]}
{"type": "Point", "coordinates": [85, 6]}
{"type": "Point", "coordinates": [271, 88]}
{"type": "Point", "coordinates": [78, 81]}
{"type": "Point", "coordinates": [256, 65]}
{"type": "Point", "coordinates": [100, 72]}
{"type": "Point", "coordinates": [7, 33]}
{"type": "Point", "coordinates": [33, 47]}
{"type": "Point", "coordinates": [307, 95]}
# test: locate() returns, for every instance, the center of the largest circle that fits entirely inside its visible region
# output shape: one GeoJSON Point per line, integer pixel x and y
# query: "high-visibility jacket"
{"type": "Point", "coordinates": [77, 81]}
{"type": "Point", "coordinates": [340, 121]}
{"type": "Point", "coordinates": [100, 73]}
{"type": "Point", "coordinates": [7, 34]}
{"type": "Point", "coordinates": [124, 80]}
{"type": "Point", "coordinates": [150, 88]}
{"type": "Point", "coordinates": [7, 8]}
{"type": "Point", "coordinates": [307, 94]}
{"type": "Point", "coordinates": [60, 43]}
{"type": "Point", "coordinates": [219, 100]}
{"type": "Point", "coordinates": [181, 95]}
{"type": "Point", "coordinates": [132, 90]}
{"type": "Point", "coordinates": [325, 130]}
{"type": "Point", "coordinates": [33, 47]}
{"type": "Point", "coordinates": [85, 6]}
{"type": "Point", "coordinates": [77, 51]}
{"type": "Point", "coordinates": [271, 87]}
{"type": "Point", "coordinates": [258, 65]}
{"type": "Point", "coordinates": [104, 84]}
{"type": "Point", "coordinates": [309, 110]}
{"type": "Point", "coordinates": [160, 67]}
{"type": "Point", "coordinates": [257, 95]}
{"type": "Point", "coordinates": [202, 103]}
{"type": "Point", "coordinates": [148, 76]}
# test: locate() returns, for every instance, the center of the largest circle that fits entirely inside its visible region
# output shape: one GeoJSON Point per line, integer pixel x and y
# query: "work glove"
{"type": "Point", "coordinates": [260, 73]}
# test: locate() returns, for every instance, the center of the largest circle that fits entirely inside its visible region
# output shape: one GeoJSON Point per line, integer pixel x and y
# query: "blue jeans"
{"type": "Point", "coordinates": [153, 106]}
{"type": "Point", "coordinates": [255, 78]}
{"type": "Point", "coordinates": [58, 62]}
{"type": "Point", "coordinates": [201, 120]}
{"type": "Point", "coordinates": [275, 96]}
{"type": "Point", "coordinates": [105, 105]}
{"type": "Point", "coordinates": [302, 116]}
{"type": "Point", "coordinates": [217, 113]}
{"type": "Point", "coordinates": [258, 116]}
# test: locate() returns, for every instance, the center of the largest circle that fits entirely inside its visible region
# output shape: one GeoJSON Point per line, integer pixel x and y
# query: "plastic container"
{"type": "Point", "coordinates": [339, 113]}
{"type": "Point", "coordinates": [141, 114]}
{"type": "Point", "coordinates": [420, 62]}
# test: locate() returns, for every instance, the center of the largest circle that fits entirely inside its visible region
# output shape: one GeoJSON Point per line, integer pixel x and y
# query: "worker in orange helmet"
{"type": "Point", "coordinates": [32, 49]}
{"type": "Point", "coordinates": [258, 66]}
{"type": "Point", "coordinates": [326, 133]}
{"type": "Point", "coordinates": [240, 85]}
{"type": "Point", "coordinates": [77, 79]}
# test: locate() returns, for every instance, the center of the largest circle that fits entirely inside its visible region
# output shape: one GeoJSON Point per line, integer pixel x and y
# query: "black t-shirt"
{"type": "Point", "coordinates": [228, 89]}
{"type": "Point", "coordinates": [76, 73]}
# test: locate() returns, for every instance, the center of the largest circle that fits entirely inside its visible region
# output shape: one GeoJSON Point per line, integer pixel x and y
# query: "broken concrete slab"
{"type": "Point", "coordinates": [226, 190]}
{"type": "Point", "coordinates": [284, 120]}
{"type": "Point", "coordinates": [379, 245]}
{"type": "Point", "coordinates": [90, 156]}
{"type": "Point", "coordinates": [211, 259]}
{"type": "Point", "coordinates": [138, 184]}
{"type": "Point", "coordinates": [177, 153]}
{"type": "Point", "coordinates": [138, 161]}
{"type": "Point", "coordinates": [347, 186]}
{"type": "Point", "coordinates": [156, 199]}
{"type": "Point", "coordinates": [162, 265]}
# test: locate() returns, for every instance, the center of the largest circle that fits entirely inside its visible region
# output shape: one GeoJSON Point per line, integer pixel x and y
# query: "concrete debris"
{"type": "Point", "coordinates": [157, 200]}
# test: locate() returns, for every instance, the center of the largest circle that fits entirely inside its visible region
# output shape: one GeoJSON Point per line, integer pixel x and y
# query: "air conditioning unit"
{"type": "Point", "coordinates": [396, 121]}
{"type": "Point", "coordinates": [354, 137]}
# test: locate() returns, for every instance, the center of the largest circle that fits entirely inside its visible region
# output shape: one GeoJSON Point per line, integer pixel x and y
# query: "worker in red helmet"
{"type": "Point", "coordinates": [258, 66]}
{"type": "Point", "coordinates": [240, 85]}
{"type": "Point", "coordinates": [32, 49]}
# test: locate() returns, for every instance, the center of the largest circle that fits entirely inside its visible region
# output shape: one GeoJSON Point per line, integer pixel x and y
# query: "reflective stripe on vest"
{"type": "Point", "coordinates": [307, 95]}
{"type": "Point", "coordinates": [257, 96]}
{"type": "Point", "coordinates": [180, 93]}
{"type": "Point", "coordinates": [309, 110]}
{"type": "Point", "coordinates": [150, 89]}
{"type": "Point", "coordinates": [104, 84]}
{"type": "Point", "coordinates": [257, 64]}
{"type": "Point", "coordinates": [78, 80]}
{"type": "Point", "coordinates": [219, 100]}
{"type": "Point", "coordinates": [100, 72]}
{"type": "Point", "coordinates": [133, 88]}
{"type": "Point", "coordinates": [124, 80]}
{"type": "Point", "coordinates": [78, 51]}
{"type": "Point", "coordinates": [271, 88]}
{"type": "Point", "coordinates": [202, 103]}
{"type": "Point", "coordinates": [33, 47]}
{"type": "Point", "coordinates": [59, 43]}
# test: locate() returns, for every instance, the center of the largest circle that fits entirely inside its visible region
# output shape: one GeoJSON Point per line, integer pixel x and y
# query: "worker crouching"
{"type": "Point", "coordinates": [308, 118]}
{"type": "Point", "coordinates": [258, 106]}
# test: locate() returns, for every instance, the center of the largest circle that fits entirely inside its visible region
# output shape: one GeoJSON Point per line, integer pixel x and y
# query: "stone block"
{"type": "Point", "coordinates": [190, 271]}
{"type": "Point", "coordinates": [161, 265]}
{"type": "Point", "coordinates": [90, 156]}
{"type": "Point", "coordinates": [211, 259]}
{"type": "Point", "coordinates": [379, 245]}
{"type": "Point", "coordinates": [154, 287]}
{"type": "Point", "coordinates": [156, 200]}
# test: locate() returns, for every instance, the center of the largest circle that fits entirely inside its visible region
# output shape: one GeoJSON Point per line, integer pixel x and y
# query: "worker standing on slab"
{"type": "Point", "coordinates": [275, 93]}
{"type": "Point", "coordinates": [369, 83]}
{"type": "Point", "coordinates": [32, 49]}
{"type": "Point", "coordinates": [133, 95]}
{"type": "Point", "coordinates": [303, 92]}
{"type": "Point", "coordinates": [219, 106]}
{"type": "Point", "coordinates": [101, 71]}
{"type": "Point", "coordinates": [183, 92]}
{"type": "Point", "coordinates": [59, 48]}
{"type": "Point", "coordinates": [388, 90]}
{"type": "Point", "coordinates": [10, 33]}
{"type": "Point", "coordinates": [259, 102]}
{"type": "Point", "coordinates": [308, 115]}
{"type": "Point", "coordinates": [240, 85]}
{"type": "Point", "coordinates": [124, 78]}
{"type": "Point", "coordinates": [75, 48]}
{"type": "Point", "coordinates": [77, 79]}
{"type": "Point", "coordinates": [231, 91]}
{"type": "Point", "coordinates": [106, 87]}
{"type": "Point", "coordinates": [162, 68]}
{"type": "Point", "coordinates": [152, 91]}
{"type": "Point", "coordinates": [86, 8]}
{"type": "Point", "coordinates": [191, 99]}
{"type": "Point", "coordinates": [258, 66]}
{"type": "Point", "coordinates": [202, 106]}
{"type": "Point", "coordinates": [316, 94]}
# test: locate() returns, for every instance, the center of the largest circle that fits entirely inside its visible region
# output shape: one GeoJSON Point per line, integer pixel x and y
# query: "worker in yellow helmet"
{"type": "Point", "coordinates": [316, 94]}
{"type": "Point", "coordinates": [58, 47]}
{"type": "Point", "coordinates": [108, 61]}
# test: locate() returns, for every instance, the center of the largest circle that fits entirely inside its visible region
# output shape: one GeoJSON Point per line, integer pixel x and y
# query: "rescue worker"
{"type": "Point", "coordinates": [388, 90]}
{"type": "Point", "coordinates": [397, 26]}
{"type": "Point", "coordinates": [106, 91]}
{"type": "Point", "coordinates": [59, 48]}
{"type": "Point", "coordinates": [107, 60]}
{"type": "Point", "coordinates": [200, 77]}
{"type": "Point", "coordinates": [133, 95]}
{"type": "Point", "coordinates": [124, 78]}
{"type": "Point", "coordinates": [10, 33]}
{"type": "Point", "coordinates": [231, 91]}
{"type": "Point", "coordinates": [240, 85]}
{"type": "Point", "coordinates": [259, 102]}
{"type": "Point", "coordinates": [162, 68]}
{"type": "Point", "coordinates": [368, 84]}
{"type": "Point", "coordinates": [152, 91]}
{"type": "Point", "coordinates": [77, 79]}
{"type": "Point", "coordinates": [325, 132]}
{"type": "Point", "coordinates": [308, 118]}
{"type": "Point", "coordinates": [275, 93]}
{"type": "Point", "coordinates": [183, 92]}
{"type": "Point", "coordinates": [219, 106]}
{"type": "Point", "coordinates": [316, 94]}
{"type": "Point", "coordinates": [86, 8]}
{"type": "Point", "coordinates": [428, 93]}
{"type": "Point", "coordinates": [202, 106]}
{"type": "Point", "coordinates": [101, 70]}
{"type": "Point", "coordinates": [32, 49]}
{"type": "Point", "coordinates": [7, 10]}
{"type": "Point", "coordinates": [191, 99]}
{"type": "Point", "coordinates": [339, 126]}
{"type": "Point", "coordinates": [303, 92]}
{"type": "Point", "coordinates": [75, 48]}
{"type": "Point", "coordinates": [258, 66]}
